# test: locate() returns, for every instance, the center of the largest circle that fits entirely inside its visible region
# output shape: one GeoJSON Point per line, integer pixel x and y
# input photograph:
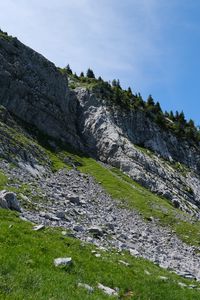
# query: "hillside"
{"type": "Point", "coordinates": [101, 176]}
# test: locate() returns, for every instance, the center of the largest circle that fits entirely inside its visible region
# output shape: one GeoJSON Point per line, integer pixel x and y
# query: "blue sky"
{"type": "Point", "coordinates": [151, 45]}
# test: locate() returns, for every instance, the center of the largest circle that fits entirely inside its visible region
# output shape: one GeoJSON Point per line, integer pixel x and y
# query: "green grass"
{"type": "Point", "coordinates": [3, 180]}
{"type": "Point", "coordinates": [56, 162]}
{"type": "Point", "coordinates": [27, 270]}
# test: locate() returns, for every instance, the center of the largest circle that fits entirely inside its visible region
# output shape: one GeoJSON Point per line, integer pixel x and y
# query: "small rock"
{"type": "Point", "coordinates": [60, 215]}
{"type": "Point", "coordinates": [98, 255]}
{"type": "Point", "coordinates": [74, 198]}
{"type": "Point", "coordinates": [23, 219]}
{"type": "Point", "coordinates": [147, 272]}
{"type": "Point", "coordinates": [111, 226]}
{"type": "Point", "coordinates": [102, 248]}
{"type": "Point", "coordinates": [133, 252]}
{"type": "Point", "coordinates": [78, 228]}
{"type": "Point", "coordinates": [38, 227]}
{"type": "Point", "coordinates": [86, 286]}
{"type": "Point", "coordinates": [124, 263]}
{"type": "Point", "coordinates": [163, 278]}
{"type": "Point", "coordinates": [96, 230]}
{"type": "Point", "coordinates": [65, 261]}
{"type": "Point", "coordinates": [64, 233]}
{"type": "Point", "coordinates": [182, 284]}
{"type": "Point", "coordinates": [187, 275]}
{"type": "Point", "coordinates": [52, 217]}
{"type": "Point", "coordinates": [192, 286]}
{"type": "Point", "coordinates": [107, 290]}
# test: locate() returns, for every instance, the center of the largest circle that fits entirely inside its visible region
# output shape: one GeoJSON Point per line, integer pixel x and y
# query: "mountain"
{"type": "Point", "coordinates": [114, 171]}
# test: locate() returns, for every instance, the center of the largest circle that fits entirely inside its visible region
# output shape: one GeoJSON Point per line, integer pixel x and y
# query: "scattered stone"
{"type": "Point", "coordinates": [102, 248]}
{"type": "Point", "coordinates": [74, 198]}
{"type": "Point", "coordinates": [147, 272]}
{"type": "Point", "coordinates": [133, 252]}
{"type": "Point", "coordinates": [86, 286]}
{"type": "Point", "coordinates": [23, 219]}
{"type": "Point", "coordinates": [187, 275]}
{"type": "Point", "coordinates": [163, 278]}
{"type": "Point", "coordinates": [124, 263]}
{"type": "Point", "coordinates": [64, 232]}
{"type": "Point", "coordinates": [60, 215]}
{"type": "Point", "coordinates": [182, 284]}
{"type": "Point", "coordinates": [51, 217]}
{"type": "Point", "coordinates": [98, 255]}
{"type": "Point", "coordinates": [78, 228]}
{"type": "Point", "coordinates": [96, 230]}
{"type": "Point", "coordinates": [192, 286]}
{"type": "Point", "coordinates": [107, 290]}
{"type": "Point", "coordinates": [65, 261]}
{"type": "Point", "coordinates": [38, 227]}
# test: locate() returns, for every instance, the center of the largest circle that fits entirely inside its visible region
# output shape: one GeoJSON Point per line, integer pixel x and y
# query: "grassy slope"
{"type": "Point", "coordinates": [26, 257]}
{"type": "Point", "coordinates": [27, 270]}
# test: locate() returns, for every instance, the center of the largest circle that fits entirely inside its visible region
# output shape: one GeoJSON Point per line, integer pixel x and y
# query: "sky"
{"type": "Point", "coordinates": [150, 45]}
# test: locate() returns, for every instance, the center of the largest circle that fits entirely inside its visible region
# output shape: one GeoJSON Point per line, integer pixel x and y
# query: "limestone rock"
{"type": "Point", "coordinates": [62, 261]}
{"type": "Point", "coordinates": [86, 286]}
{"type": "Point", "coordinates": [107, 290]}
{"type": "Point", "coordinates": [8, 200]}
{"type": "Point", "coordinates": [32, 88]}
{"type": "Point", "coordinates": [38, 227]}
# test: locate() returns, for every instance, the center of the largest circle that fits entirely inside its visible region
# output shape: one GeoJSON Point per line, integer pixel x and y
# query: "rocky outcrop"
{"type": "Point", "coordinates": [33, 89]}
{"type": "Point", "coordinates": [113, 136]}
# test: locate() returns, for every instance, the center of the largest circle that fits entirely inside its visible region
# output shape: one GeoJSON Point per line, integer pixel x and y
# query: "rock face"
{"type": "Point", "coordinates": [33, 89]}
{"type": "Point", "coordinates": [112, 135]}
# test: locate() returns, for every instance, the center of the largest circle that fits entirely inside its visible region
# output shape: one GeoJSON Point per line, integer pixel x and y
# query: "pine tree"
{"type": "Point", "coordinates": [90, 73]}
{"type": "Point", "coordinates": [68, 69]}
{"type": "Point", "coordinates": [150, 101]}
{"type": "Point", "coordinates": [114, 82]}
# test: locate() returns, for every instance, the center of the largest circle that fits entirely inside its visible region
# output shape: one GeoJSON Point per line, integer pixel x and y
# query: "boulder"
{"type": "Point", "coordinates": [8, 200]}
{"type": "Point", "coordinates": [107, 290]}
{"type": "Point", "coordinates": [62, 261]}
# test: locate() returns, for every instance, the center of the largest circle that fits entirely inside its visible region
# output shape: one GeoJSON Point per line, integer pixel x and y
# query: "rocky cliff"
{"type": "Point", "coordinates": [35, 91]}
{"type": "Point", "coordinates": [166, 164]}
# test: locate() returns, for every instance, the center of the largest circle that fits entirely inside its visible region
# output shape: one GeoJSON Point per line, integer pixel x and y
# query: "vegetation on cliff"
{"type": "Point", "coordinates": [126, 99]}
